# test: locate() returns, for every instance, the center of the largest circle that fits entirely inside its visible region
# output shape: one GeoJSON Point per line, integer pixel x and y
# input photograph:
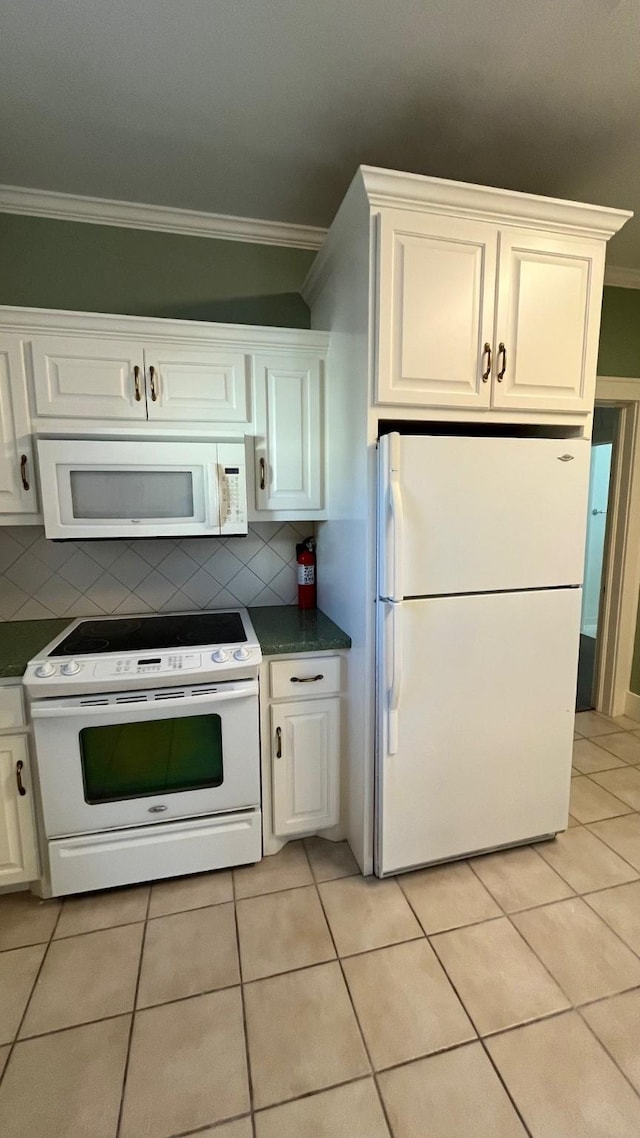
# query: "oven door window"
{"type": "Point", "coordinates": [158, 756]}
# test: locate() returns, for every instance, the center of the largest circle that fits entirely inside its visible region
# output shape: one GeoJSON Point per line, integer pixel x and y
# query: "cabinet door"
{"type": "Point", "coordinates": [289, 434]}
{"type": "Point", "coordinates": [196, 385]}
{"type": "Point", "coordinates": [80, 378]}
{"type": "Point", "coordinates": [18, 848]}
{"type": "Point", "coordinates": [436, 281]}
{"type": "Point", "coordinates": [305, 765]}
{"type": "Point", "coordinates": [17, 483]}
{"type": "Point", "coordinates": [548, 318]}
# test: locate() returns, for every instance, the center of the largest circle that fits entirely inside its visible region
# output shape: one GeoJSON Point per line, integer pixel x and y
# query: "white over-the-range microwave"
{"type": "Point", "coordinates": [106, 488]}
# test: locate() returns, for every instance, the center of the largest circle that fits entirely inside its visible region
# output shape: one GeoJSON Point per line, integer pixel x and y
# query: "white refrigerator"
{"type": "Point", "coordinates": [481, 549]}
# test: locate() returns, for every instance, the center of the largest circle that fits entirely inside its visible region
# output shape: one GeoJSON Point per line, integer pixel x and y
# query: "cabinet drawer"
{"type": "Point", "coordinates": [304, 677]}
{"type": "Point", "coordinates": [11, 707]}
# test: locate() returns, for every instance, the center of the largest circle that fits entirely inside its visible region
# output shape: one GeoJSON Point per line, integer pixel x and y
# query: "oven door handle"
{"type": "Point", "coordinates": [91, 711]}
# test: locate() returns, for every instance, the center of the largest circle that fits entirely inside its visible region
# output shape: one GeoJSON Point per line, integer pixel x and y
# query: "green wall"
{"type": "Point", "coordinates": [619, 352]}
{"type": "Point", "coordinates": [99, 268]}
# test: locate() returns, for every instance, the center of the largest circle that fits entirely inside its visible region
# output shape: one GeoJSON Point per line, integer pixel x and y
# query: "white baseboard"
{"type": "Point", "coordinates": [632, 705]}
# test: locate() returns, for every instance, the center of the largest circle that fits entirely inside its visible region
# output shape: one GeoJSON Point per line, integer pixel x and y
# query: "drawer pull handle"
{"type": "Point", "coordinates": [136, 382]}
{"type": "Point", "coordinates": [21, 788]}
{"type": "Point", "coordinates": [307, 679]}
{"type": "Point", "coordinates": [278, 743]}
{"type": "Point", "coordinates": [262, 474]}
{"type": "Point", "coordinates": [152, 380]}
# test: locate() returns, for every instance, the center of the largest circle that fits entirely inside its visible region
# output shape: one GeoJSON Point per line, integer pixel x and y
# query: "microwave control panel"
{"type": "Point", "coordinates": [232, 488]}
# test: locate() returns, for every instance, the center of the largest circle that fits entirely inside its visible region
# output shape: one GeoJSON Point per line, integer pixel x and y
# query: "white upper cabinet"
{"type": "Point", "coordinates": [77, 378]}
{"type": "Point", "coordinates": [17, 482]}
{"type": "Point", "coordinates": [80, 378]}
{"type": "Point", "coordinates": [198, 385]}
{"type": "Point", "coordinates": [436, 311]}
{"type": "Point", "coordinates": [482, 316]}
{"type": "Point", "coordinates": [547, 321]}
{"type": "Point", "coordinates": [289, 437]}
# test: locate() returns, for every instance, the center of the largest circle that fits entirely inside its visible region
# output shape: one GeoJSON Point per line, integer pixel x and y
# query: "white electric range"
{"type": "Point", "coordinates": [147, 747]}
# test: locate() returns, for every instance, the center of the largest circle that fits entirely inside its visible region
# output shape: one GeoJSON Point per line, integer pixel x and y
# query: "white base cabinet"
{"type": "Point", "coordinates": [301, 747]}
{"type": "Point", "coordinates": [18, 842]}
{"type": "Point", "coordinates": [305, 742]}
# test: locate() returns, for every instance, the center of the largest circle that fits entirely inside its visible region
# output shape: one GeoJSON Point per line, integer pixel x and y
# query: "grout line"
{"type": "Point", "coordinates": [353, 1007]}
{"type": "Point", "coordinates": [470, 1017]}
{"type": "Point", "coordinates": [606, 1049]}
{"type": "Point", "coordinates": [245, 1028]}
{"type": "Point", "coordinates": [133, 1019]}
{"type": "Point", "coordinates": [30, 997]}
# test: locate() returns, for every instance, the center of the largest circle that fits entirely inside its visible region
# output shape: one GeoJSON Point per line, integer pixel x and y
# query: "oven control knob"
{"type": "Point", "coordinates": [71, 668]}
{"type": "Point", "coordinates": [241, 654]}
{"type": "Point", "coordinates": [219, 656]}
{"type": "Point", "coordinates": [44, 670]}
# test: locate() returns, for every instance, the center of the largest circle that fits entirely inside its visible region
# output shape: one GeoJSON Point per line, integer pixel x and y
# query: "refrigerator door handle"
{"type": "Point", "coordinates": [397, 514]}
{"type": "Point", "coordinates": [396, 680]}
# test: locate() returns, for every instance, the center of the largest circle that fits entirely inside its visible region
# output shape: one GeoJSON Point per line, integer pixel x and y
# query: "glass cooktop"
{"type": "Point", "coordinates": [131, 634]}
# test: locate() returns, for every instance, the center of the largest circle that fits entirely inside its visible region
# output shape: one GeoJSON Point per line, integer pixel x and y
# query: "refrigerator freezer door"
{"type": "Point", "coordinates": [463, 515]}
{"type": "Point", "coordinates": [485, 716]}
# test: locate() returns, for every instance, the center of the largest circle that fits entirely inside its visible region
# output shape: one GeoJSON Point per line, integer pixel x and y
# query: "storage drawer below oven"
{"type": "Point", "coordinates": [169, 849]}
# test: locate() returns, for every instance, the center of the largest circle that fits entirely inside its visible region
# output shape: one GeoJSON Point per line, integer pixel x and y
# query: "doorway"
{"type": "Point", "coordinates": [606, 421]}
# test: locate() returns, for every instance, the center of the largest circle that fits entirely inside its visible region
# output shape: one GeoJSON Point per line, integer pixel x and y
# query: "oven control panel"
{"type": "Point", "coordinates": [147, 665]}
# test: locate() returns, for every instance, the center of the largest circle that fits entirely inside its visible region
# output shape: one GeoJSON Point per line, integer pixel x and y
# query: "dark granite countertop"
{"type": "Point", "coordinates": [280, 628]}
{"type": "Point", "coordinates": [286, 628]}
{"type": "Point", "coordinates": [21, 639]}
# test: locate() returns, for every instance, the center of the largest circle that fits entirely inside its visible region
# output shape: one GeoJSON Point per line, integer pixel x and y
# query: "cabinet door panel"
{"type": "Point", "coordinates": [15, 428]}
{"type": "Point", "coordinates": [306, 773]}
{"type": "Point", "coordinates": [289, 436]}
{"type": "Point", "coordinates": [548, 317]}
{"type": "Point", "coordinates": [81, 378]}
{"type": "Point", "coordinates": [18, 851]}
{"type": "Point", "coordinates": [436, 300]}
{"type": "Point", "coordinates": [196, 385]}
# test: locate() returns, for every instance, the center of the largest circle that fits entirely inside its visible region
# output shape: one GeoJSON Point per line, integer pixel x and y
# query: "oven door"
{"type": "Point", "coordinates": [131, 758]}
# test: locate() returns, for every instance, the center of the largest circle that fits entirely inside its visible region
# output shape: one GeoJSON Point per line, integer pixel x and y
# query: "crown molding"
{"type": "Point", "coordinates": [162, 219]}
{"type": "Point", "coordinates": [106, 326]}
{"type": "Point", "coordinates": [392, 188]}
{"type": "Point", "coordinates": [616, 277]}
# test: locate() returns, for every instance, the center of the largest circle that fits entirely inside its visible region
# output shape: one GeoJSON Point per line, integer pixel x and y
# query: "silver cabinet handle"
{"type": "Point", "coordinates": [502, 351]}
{"type": "Point", "coordinates": [152, 381]}
{"type": "Point", "coordinates": [23, 471]}
{"type": "Point", "coordinates": [486, 352]}
{"type": "Point", "coordinates": [306, 679]}
{"type": "Point", "coordinates": [136, 383]}
{"type": "Point", "coordinates": [278, 742]}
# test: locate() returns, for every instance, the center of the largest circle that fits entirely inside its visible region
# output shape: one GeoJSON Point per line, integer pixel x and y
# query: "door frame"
{"type": "Point", "coordinates": [621, 564]}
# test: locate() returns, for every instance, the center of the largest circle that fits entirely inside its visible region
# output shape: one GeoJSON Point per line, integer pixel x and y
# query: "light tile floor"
{"type": "Point", "coordinates": [495, 998]}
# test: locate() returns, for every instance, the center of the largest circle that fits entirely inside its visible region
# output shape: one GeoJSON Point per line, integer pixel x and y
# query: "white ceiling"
{"type": "Point", "coordinates": [264, 108]}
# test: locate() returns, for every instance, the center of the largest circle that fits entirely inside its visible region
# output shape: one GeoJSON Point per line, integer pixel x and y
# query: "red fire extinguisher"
{"type": "Point", "coordinates": [306, 558]}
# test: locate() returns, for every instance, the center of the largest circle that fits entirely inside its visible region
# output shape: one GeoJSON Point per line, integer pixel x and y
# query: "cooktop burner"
{"type": "Point", "coordinates": [95, 637]}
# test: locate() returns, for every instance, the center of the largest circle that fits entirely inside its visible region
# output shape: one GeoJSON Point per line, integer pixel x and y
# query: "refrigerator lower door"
{"type": "Point", "coordinates": [480, 694]}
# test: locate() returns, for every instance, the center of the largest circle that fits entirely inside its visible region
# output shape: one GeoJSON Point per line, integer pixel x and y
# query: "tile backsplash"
{"type": "Point", "coordinates": [41, 578]}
